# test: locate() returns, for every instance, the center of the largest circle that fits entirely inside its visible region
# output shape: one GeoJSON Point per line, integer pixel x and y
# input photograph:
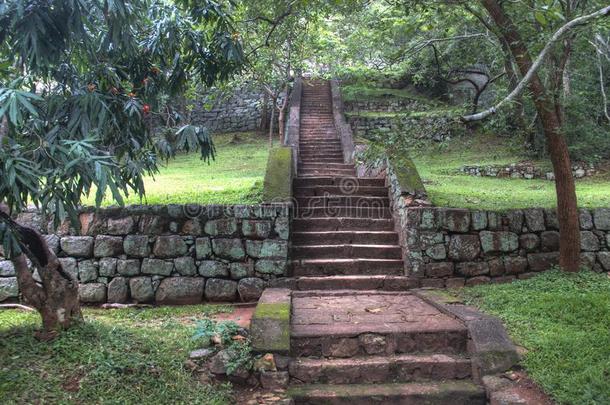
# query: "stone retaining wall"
{"type": "Point", "coordinates": [435, 128]}
{"type": "Point", "coordinates": [167, 254]}
{"type": "Point", "coordinates": [385, 105]}
{"type": "Point", "coordinates": [526, 170]}
{"type": "Point", "coordinates": [456, 247]}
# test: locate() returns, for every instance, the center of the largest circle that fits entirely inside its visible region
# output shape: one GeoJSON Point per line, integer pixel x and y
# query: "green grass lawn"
{"type": "Point", "coordinates": [563, 321]}
{"type": "Point", "coordinates": [235, 177]}
{"type": "Point", "coordinates": [121, 356]}
{"type": "Point", "coordinates": [439, 165]}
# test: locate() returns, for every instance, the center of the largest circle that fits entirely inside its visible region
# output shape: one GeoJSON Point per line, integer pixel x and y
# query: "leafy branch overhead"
{"type": "Point", "coordinates": [82, 85]}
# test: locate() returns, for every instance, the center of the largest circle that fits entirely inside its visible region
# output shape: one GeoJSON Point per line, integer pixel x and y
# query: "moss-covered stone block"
{"type": "Point", "coordinates": [277, 186]}
{"type": "Point", "coordinates": [407, 176]}
{"type": "Point", "coordinates": [270, 325]}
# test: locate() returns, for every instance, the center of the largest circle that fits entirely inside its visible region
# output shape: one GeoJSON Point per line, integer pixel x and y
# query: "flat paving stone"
{"type": "Point", "coordinates": [350, 313]}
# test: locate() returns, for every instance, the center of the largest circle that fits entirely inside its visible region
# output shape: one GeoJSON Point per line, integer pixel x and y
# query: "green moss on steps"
{"type": "Point", "coordinates": [270, 325]}
{"type": "Point", "coordinates": [278, 176]}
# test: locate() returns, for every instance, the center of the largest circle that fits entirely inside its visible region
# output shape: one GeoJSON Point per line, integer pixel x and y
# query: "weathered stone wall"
{"type": "Point", "coordinates": [455, 247]}
{"type": "Point", "coordinates": [384, 105]}
{"type": "Point", "coordinates": [239, 111]}
{"type": "Point", "coordinates": [526, 170]}
{"type": "Point", "coordinates": [434, 128]}
{"type": "Point", "coordinates": [167, 254]}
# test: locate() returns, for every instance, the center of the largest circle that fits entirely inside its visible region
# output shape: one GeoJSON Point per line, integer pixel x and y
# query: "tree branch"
{"type": "Point", "coordinates": [537, 63]}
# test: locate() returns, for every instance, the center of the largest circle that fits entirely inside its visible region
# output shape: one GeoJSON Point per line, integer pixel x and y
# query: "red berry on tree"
{"type": "Point", "coordinates": [146, 108]}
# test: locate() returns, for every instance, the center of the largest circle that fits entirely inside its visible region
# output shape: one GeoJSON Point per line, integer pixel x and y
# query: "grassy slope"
{"type": "Point", "coordinates": [438, 167]}
{"type": "Point", "coordinates": [235, 177]}
{"type": "Point", "coordinates": [563, 320]}
{"type": "Point", "coordinates": [123, 356]}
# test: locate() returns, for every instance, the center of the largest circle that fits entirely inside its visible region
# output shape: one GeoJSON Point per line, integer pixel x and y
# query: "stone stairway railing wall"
{"type": "Point", "coordinates": [456, 247]}
{"type": "Point", "coordinates": [167, 254]}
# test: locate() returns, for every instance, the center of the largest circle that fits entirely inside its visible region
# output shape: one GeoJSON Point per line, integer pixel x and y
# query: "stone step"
{"type": "Point", "coordinates": [347, 267]}
{"type": "Point", "coordinates": [348, 323]}
{"type": "Point", "coordinates": [343, 200]}
{"type": "Point", "coordinates": [314, 238]}
{"type": "Point", "coordinates": [380, 369]}
{"type": "Point", "coordinates": [312, 154]}
{"type": "Point", "coordinates": [349, 187]}
{"type": "Point", "coordinates": [334, 181]}
{"type": "Point", "coordinates": [321, 160]}
{"type": "Point", "coordinates": [418, 393]}
{"type": "Point", "coordinates": [384, 283]}
{"type": "Point", "coordinates": [326, 172]}
{"type": "Point", "coordinates": [350, 212]}
{"type": "Point", "coordinates": [342, 224]}
{"type": "Point", "coordinates": [346, 251]}
{"type": "Point", "coordinates": [327, 166]}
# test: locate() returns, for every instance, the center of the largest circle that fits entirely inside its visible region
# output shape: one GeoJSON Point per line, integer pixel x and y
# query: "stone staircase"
{"type": "Point", "coordinates": [357, 335]}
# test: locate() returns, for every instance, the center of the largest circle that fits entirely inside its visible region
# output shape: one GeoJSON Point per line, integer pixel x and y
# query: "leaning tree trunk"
{"type": "Point", "coordinates": [56, 297]}
{"type": "Point", "coordinates": [272, 121]}
{"type": "Point", "coordinates": [567, 207]}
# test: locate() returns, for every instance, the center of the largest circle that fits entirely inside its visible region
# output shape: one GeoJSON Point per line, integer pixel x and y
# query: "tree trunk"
{"type": "Point", "coordinates": [272, 122]}
{"type": "Point", "coordinates": [567, 209]}
{"type": "Point", "coordinates": [265, 113]}
{"type": "Point", "coordinates": [56, 299]}
{"type": "Point", "coordinates": [282, 116]}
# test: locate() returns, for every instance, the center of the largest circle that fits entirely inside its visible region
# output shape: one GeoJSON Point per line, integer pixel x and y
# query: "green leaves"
{"type": "Point", "coordinates": [17, 104]}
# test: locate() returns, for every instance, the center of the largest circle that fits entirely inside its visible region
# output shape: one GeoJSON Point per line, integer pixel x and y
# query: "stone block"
{"type": "Point", "coordinates": [439, 270]}
{"type": "Point", "coordinates": [87, 271]}
{"type": "Point", "coordinates": [70, 266]}
{"type": "Point", "coordinates": [185, 266]}
{"type": "Point", "coordinates": [478, 220]}
{"type": "Point", "coordinates": [586, 219]}
{"type": "Point", "coordinates": [496, 267]}
{"type": "Point", "coordinates": [141, 289]}
{"type": "Point", "coordinates": [604, 260]}
{"type": "Point", "coordinates": [534, 218]}
{"type": "Point", "coordinates": [499, 242]}
{"type": "Point", "coordinates": [587, 259]}
{"type": "Point", "coordinates": [455, 282]}
{"type": "Point", "coordinates": [529, 242]}
{"type": "Point", "coordinates": [230, 249]}
{"type": "Point", "coordinates": [552, 222]}
{"type": "Point", "coordinates": [203, 248]}
{"type": "Point", "coordinates": [6, 268]}
{"type": "Point", "coordinates": [601, 219]}
{"type": "Point", "coordinates": [428, 218]}
{"type": "Point", "coordinates": [213, 268]}
{"type": "Point", "coordinates": [217, 290]}
{"type": "Point", "coordinates": [136, 246]}
{"type": "Point", "coordinates": [221, 227]}
{"type": "Point", "coordinates": [77, 246]}
{"type": "Point", "coordinates": [542, 261]}
{"type": "Point", "coordinates": [154, 225]}
{"type": "Point", "coordinates": [256, 229]}
{"type": "Point", "coordinates": [478, 280]}
{"type": "Point", "coordinates": [191, 227]}
{"type": "Point", "coordinates": [271, 267]}
{"type": "Point", "coordinates": [429, 239]}
{"type": "Point", "coordinates": [180, 291]}
{"type": "Point", "coordinates": [92, 293]}
{"type": "Point", "coordinates": [128, 267]}
{"type": "Point", "coordinates": [108, 246]}
{"type": "Point", "coordinates": [274, 380]}
{"type": "Point", "coordinates": [515, 265]}
{"type": "Point", "coordinates": [433, 283]}
{"type": "Point", "coordinates": [589, 242]}
{"type": "Point", "coordinates": [107, 267]}
{"type": "Point", "coordinates": [120, 226]}
{"type": "Point", "coordinates": [250, 289]}
{"type": "Point", "coordinates": [118, 290]}
{"type": "Point", "coordinates": [472, 269]}
{"type": "Point", "coordinates": [8, 288]}
{"type": "Point", "coordinates": [272, 248]}
{"type": "Point", "coordinates": [282, 228]}
{"type": "Point", "coordinates": [464, 247]}
{"type": "Point", "coordinates": [494, 221]}
{"type": "Point", "coordinates": [455, 220]}
{"type": "Point", "coordinates": [53, 242]}
{"type": "Point", "coordinates": [549, 241]}
{"type": "Point", "coordinates": [157, 267]}
{"type": "Point", "coordinates": [437, 252]}
{"type": "Point", "coordinates": [241, 270]}
{"type": "Point", "coordinates": [515, 220]}
{"type": "Point", "coordinates": [167, 247]}
{"type": "Point", "coordinates": [270, 325]}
